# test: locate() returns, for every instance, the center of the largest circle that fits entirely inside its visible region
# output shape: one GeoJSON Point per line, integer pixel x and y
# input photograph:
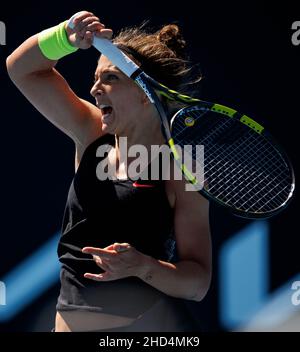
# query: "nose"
{"type": "Point", "coordinates": [96, 90]}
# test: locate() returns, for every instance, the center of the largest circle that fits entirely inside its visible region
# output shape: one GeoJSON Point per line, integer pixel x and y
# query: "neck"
{"type": "Point", "coordinates": [136, 145]}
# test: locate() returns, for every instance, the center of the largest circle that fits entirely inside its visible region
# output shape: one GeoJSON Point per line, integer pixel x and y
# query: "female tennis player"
{"type": "Point", "coordinates": [131, 251]}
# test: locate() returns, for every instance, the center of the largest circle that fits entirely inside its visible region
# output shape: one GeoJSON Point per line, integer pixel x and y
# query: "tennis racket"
{"type": "Point", "coordinates": [245, 170]}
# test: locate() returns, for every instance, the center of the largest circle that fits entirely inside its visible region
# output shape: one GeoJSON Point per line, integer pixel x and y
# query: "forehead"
{"type": "Point", "coordinates": [105, 63]}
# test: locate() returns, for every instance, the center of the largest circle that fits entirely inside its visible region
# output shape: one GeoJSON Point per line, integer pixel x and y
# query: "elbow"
{"type": "Point", "coordinates": [200, 294]}
{"type": "Point", "coordinates": [9, 64]}
{"type": "Point", "coordinates": [17, 72]}
{"type": "Point", "coordinates": [15, 68]}
{"type": "Point", "coordinates": [10, 67]}
{"type": "Point", "coordinates": [203, 285]}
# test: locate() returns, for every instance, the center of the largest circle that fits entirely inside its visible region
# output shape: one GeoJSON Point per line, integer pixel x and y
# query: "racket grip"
{"type": "Point", "coordinates": [114, 54]}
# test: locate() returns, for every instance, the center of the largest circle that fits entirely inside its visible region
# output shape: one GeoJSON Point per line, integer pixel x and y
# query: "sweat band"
{"type": "Point", "coordinates": [54, 43]}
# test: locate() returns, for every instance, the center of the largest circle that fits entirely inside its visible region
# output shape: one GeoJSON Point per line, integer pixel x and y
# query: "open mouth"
{"type": "Point", "coordinates": [105, 109]}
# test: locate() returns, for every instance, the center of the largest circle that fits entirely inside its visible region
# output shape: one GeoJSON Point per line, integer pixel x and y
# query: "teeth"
{"type": "Point", "coordinates": [103, 106]}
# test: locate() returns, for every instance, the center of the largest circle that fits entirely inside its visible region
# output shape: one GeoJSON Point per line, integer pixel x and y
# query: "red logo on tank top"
{"type": "Point", "coordinates": [140, 185]}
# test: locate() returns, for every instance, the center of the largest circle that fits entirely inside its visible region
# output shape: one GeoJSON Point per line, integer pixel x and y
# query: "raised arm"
{"type": "Point", "coordinates": [36, 77]}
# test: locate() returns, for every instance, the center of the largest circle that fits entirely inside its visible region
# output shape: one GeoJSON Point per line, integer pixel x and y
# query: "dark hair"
{"type": "Point", "coordinates": [160, 54]}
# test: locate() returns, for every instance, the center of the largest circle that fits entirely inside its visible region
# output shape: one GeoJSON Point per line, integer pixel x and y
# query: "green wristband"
{"type": "Point", "coordinates": [54, 43]}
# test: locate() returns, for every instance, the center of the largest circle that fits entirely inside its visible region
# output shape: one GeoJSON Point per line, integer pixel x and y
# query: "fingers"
{"type": "Point", "coordinates": [104, 33]}
{"type": "Point", "coordinates": [79, 16]}
{"type": "Point", "coordinates": [88, 37]}
{"type": "Point", "coordinates": [110, 247]}
{"type": "Point", "coordinates": [101, 263]}
{"type": "Point", "coordinates": [99, 251]}
{"type": "Point", "coordinates": [108, 252]}
{"type": "Point", "coordinates": [121, 247]}
{"type": "Point", "coordinates": [85, 24]}
{"type": "Point", "coordinates": [89, 24]}
{"type": "Point", "coordinates": [114, 261]}
{"type": "Point", "coordinates": [98, 277]}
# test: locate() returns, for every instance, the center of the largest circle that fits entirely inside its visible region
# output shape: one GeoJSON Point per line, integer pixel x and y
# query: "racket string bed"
{"type": "Point", "coordinates": [242, 168]}
{"type": "Point", "coordinates": [250, 178]}
{"type": "Point", "coordinates": [222, 157]}
{"type": "Point", "coordinates": [254, 177]}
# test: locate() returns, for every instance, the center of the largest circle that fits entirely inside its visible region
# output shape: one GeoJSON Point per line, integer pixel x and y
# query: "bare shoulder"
{"type": "Point", "coordinates": [181, 193]}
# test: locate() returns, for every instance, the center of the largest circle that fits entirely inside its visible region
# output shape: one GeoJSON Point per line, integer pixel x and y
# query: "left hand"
{"type": "Point", "coordinates": [118, 260]}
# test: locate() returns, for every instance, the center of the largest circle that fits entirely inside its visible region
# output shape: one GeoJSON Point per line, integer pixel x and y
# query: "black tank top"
{"type": "Point", "coordinates": [99, 213]}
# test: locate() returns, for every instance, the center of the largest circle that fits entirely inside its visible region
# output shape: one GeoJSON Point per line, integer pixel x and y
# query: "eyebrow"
{"type": "Point", "coordinates": [107, 69]}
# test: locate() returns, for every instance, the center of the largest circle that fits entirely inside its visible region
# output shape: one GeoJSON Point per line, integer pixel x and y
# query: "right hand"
{"type": "Point", "coordinates": [86, 26]}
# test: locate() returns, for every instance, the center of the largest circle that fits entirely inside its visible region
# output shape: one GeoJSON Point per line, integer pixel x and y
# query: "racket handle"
{"type": "Point", "coordinates": [114, 54]}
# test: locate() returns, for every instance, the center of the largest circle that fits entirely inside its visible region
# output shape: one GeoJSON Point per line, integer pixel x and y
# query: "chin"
{"type": "Point", "coordinates": [107, 129]}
